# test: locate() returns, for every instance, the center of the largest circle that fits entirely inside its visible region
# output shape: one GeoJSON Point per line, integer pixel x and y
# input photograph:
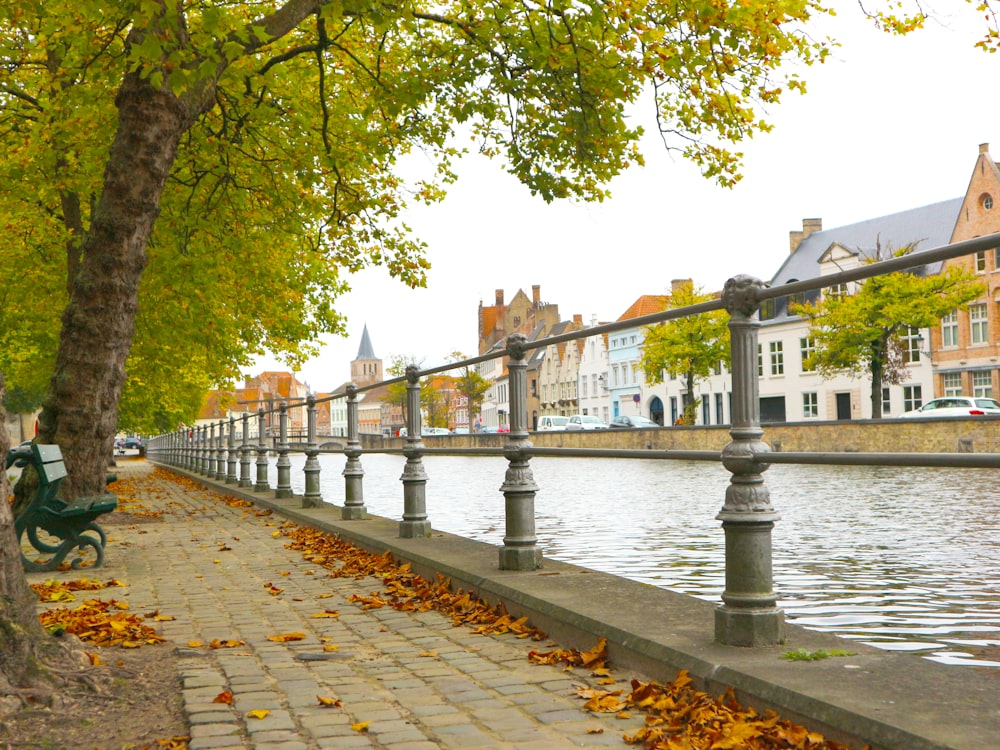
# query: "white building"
{"type": "Point", "coordinates": [788, 390]}
{"type": "Point", "coordinates": [592, 385]}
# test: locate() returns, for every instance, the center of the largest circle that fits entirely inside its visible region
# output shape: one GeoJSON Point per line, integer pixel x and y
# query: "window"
{"type": "Point", "coordinates": [706, 414]}
{"type": "Point", "coordinates": [885, 402]}
{"type": "Point", "coordinates": [777, 358]}
{"type": "Point", "coordinates": [837, 290]}
{"type": "Point", "coordinates": [810, 405]}
{"type": "Point", "coordinates": [614, 375]}
{"type": "Point", "coordinates": [987, 201]}
{"type": "Point", "coordinates": [807, 346]}
{"type": "Point", "coordinates": [767, 309]}
{"type": "Point", "coordinates": [982, 384]}
{"type": "Point", "coordinates": [949, 330]}
{"type": "Point", "coordinates": [760, 361]}
{"type": "Point", "coordinates": [996, 259]}
{"type": "Point", "coordinates": [911, 340]}
{"type": "Point", "coordinates": [583, 388]}
{"type": "Point", "coordinates": [632, 340]}
{"type": "Point", "coordinates": [980, 261]}
{"type": "Point", "coordinates": [720, 418]}
{"type": "Point", "coordinates": [978, 325]}
{"type": "Point", "coordinates": [951, 383]}
{"type": "Point", "coordinates": [912, 397]}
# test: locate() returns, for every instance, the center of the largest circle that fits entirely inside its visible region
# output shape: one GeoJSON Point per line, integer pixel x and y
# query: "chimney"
{"type": "Point", "coordinates": [808, 227]}
{"type": "Point", "coordinates": [499, 297]}
{"type": "Point", "coordinates": [677, 284]}
{"type": "Point", "coordinates": [536, 294]}
{"type": "Point", "coordinates": [578, 319]}
{"type": "Point", "coordinates": [984, 148]}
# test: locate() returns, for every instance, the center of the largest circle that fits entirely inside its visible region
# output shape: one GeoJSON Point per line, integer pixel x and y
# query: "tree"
{"type": "Point", "coordinates": [692, 346]}
{"type": "Point", "coordinates": [861, 333]}
{"type": "Point", "coordinates": [473, 386]}
{"type": "Point", "coordinates": [228, 146]}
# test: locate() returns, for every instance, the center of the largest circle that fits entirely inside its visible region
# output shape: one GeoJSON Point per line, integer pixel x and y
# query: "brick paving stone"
{"type": "Point", "coordinates": [422, 683]}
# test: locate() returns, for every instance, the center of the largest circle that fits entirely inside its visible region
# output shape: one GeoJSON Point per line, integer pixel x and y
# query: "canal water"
{"type": "Point", "coordinates": [905, 559]}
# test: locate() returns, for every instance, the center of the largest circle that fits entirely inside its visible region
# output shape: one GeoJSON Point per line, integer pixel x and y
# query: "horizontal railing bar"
{"type": "Point", "coordinates": [961, 460]}
{"type": "Point", "coordinates": [831, 458]}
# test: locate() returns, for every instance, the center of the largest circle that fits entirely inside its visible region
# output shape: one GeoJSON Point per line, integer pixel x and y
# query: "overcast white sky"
{"type": "Point", "coordinates": [887, 124]}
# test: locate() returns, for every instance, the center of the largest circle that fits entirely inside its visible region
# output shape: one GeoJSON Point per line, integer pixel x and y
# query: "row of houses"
{"type": "Point", "coordinates": [600, 375]}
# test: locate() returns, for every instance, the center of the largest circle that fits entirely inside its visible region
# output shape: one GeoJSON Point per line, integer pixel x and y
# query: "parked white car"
{"type": "Point", "coordinates": [585, 422]}
{"type": "Point", "coordinates": [435, 431]}
{"type": "Point", "coordinates": [955, 406]}
{"type": "Point", "coordinates": [549, 423]}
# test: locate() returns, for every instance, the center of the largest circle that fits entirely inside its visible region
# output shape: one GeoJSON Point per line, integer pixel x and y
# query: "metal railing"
{"type": "Point", "coordinates": [748, 615]}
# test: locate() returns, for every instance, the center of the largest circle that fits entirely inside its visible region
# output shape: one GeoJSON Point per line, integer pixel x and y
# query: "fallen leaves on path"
{"type": "Point", "coordinates": [62, 591]}
{"type": "Point", "coordinates": [103, 623]}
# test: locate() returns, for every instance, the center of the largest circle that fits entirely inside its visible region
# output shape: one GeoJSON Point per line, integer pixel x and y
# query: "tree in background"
{"type": "Point", "coordinates": [859, 334]}
{"type": "Point", "coordinates": [472, 386]}
{"type": "Point", "coordinates": [691, 347]}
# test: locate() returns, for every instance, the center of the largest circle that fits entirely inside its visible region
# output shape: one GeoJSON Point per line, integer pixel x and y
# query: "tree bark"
{"type": "Point", "coordinates": [21, 635]}
{"type": "Point", "coordinates": [80, 410]}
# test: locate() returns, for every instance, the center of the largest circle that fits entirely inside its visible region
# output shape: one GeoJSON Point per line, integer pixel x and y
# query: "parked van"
{"type": "Point", "coordinates": [550, 423]}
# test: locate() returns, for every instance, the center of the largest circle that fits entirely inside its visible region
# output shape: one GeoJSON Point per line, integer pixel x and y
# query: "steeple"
{"type": "Point", "coordinates": [365, 351]}
{"type": "Point", "coordinates": [366, 368]}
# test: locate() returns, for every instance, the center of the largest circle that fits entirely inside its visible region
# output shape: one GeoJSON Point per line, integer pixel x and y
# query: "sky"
{"type": "Point", "coordinates": [886, 125]}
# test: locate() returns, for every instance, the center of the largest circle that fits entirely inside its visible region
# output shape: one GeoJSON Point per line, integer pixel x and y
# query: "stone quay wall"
{"type": "Point", "coordinates": [981, 435]}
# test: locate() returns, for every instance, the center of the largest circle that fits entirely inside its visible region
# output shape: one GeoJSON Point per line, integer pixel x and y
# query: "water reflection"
{"type": "Point", "coordinates": [905, 559]}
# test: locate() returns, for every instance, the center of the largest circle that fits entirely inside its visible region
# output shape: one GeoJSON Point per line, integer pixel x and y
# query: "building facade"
{"type": "Point", "coordinates": [966, 344]}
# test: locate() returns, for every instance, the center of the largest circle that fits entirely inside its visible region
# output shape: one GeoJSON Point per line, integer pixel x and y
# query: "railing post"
{"type": "Point", "coordinates": [749, 615]}
{"type": "Point", "coordinates": [284, 488]}
{"type": "Point", "coordinates": [231, 463]}
{"type": "Point", "coordinates": [414, 523]}
{"type": "Point", "coordinates": [261, 484]}
{"type": "Point", "coordinates": [245, 451]}
{"type": "Point", "coordinates": [354, 498]}
{"type": "Point", "coordinates": [203, 450]}
{"type": "Point", "coordinates": [312, 497]}
{"type": "Point", "coordinates": [519, 551]}
{"type": "Point", "coordinates": [220, 453]}
{"type": "Point", "coordinates": [210, 451]}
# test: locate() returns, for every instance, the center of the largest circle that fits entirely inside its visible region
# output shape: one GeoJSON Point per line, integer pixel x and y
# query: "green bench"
{"type": "Point", "coordinates": [68, 525]}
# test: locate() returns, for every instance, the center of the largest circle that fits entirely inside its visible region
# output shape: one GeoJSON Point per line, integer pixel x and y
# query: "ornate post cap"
{"type": "Point", "coordinates": [517, 345]}
{"type": "Point", "coordinates": [740, 294]}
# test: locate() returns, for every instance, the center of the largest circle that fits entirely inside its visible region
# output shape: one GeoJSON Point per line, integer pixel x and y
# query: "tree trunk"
{"type": "Point", "coordinates": [21, 635]}
{"type": "Point", "coordinates": [80, 410]}
{"type": "Point", "coordinates": [877, 367]}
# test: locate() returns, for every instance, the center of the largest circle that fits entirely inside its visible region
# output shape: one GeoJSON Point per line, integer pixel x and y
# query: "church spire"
{"type": "Point", "coordinates": [366, 368]}
{"type": "Point", "coordinates": [365, 351]}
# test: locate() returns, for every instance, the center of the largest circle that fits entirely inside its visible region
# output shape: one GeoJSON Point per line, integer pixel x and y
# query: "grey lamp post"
{"type": "Point", "coordinates": [749, 615]}
{"type": "Point", "coordinates": [284, 464]}
{"type": "Point", "coordinates": [231, 445]}
{"type": "Point", "coordinates": [519, 551]}
{"type": "Point", "coordinates": [414, 523]}
{"type": "Point", "coordinates": [261, 484]}
{"type": "Point", "coordinates": [354, 498]}
{"type": "Point", "coordinates": [245, 451]}
{"type": "Point", "coordinates": [312, 497]}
